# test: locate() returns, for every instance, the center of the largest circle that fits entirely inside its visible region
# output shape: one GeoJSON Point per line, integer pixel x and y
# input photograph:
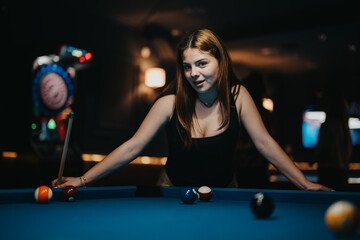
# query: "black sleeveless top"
{"type": "Point", "coordinates": [208, 161]}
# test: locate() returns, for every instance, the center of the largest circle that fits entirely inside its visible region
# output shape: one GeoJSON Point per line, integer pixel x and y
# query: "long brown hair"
{"type": "Point", "coordinates": [228, 84]}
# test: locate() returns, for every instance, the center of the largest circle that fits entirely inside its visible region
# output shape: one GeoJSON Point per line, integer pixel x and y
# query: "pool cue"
{"type": "Point", "coordinates": [65, 149]}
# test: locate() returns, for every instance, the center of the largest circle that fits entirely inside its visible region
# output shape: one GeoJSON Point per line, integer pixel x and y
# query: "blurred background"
{"type": "Point", "coordinates": [96, 58]}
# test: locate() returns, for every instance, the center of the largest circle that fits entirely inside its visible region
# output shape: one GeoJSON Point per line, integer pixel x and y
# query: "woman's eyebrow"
{"type": "Point", "coordinates": [200, 60]}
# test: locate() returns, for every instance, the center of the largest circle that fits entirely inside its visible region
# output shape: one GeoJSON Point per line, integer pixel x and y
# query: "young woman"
{"type": "Point", "coordinates": [201, 109]}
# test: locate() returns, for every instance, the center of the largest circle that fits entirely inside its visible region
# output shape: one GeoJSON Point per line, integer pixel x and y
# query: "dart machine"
{"type": "Point", "coordinates": [53, 97]}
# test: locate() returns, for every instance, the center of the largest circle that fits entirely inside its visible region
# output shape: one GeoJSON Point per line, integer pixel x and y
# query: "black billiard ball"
{"type": "Point", "coordinates": [188, 195]}
{"type": "Point", "coordinates": [262, 205]}
{"type": "Point", "coordinates": [69, 193]}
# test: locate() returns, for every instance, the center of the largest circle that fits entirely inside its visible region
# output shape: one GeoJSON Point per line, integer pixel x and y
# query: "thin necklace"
{"type": "Point", "coordinates": [208, 104]}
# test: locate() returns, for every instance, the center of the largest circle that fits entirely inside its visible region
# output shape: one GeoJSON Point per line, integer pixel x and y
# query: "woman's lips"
{"type": "Point", "coordinates": [199, 83]}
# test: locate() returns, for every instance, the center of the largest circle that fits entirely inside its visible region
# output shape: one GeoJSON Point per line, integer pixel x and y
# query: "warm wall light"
{"type": "Point", "coordinates": [268, 104]}
{"type": "Point", "coordinates": [92, 157]}
{"type": "Point", "coordinates": [139, 160]}
{"type": "Point", "coordinates": [9, 154]}
{"type": "Point", "coordinates": [155, 77]}
{"type": "Point", "coordinates": [145, 52]}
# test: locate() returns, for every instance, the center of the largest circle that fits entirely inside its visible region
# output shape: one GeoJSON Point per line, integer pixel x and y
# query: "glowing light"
{"type": "Point", "coordinates": [82, 59]}
{"type": "Point", "coordinates": [354, 123]}
{"type": "Point", "coordinates": [316, 115]}
{"type": "Point", "coordinates": [175, 32]}
{"type": "Point", "coordinates": [269, 51]}
{"type": "Point", "coordinates": [161, 161]}
{"type": "Point", "coordinates": [9, 154]}
{"type": "Point", "coordinates": [51, 124]}
{"type": "Point", "coordinates": [145, 52]}
{"type": "Point", "coordinates": [145, 160]}
{"type": "Point", "coordinates": [268, 104]}
{"type": "Point", "coordinates": [88, 56]}
{"type": "Point", "coordinates": [33, 126]}
{"type": "Point", "coordinates": [320, 116]}
{"type": "Point", "coordinates": [155, 77]}
{"type": "Point", "coordinates": [76, 53]}
{"type": "Point", "coordinates": [92, 157]}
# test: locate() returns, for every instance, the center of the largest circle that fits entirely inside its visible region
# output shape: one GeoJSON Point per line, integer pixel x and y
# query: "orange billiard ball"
{"type": "Point", "coordinates": [43, 194]}
{"type": "Point", "coordinates": [342, 217]}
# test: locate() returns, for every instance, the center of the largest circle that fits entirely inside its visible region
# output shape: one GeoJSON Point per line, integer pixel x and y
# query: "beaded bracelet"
{"type": "Point", "coordinates": [83, 181]}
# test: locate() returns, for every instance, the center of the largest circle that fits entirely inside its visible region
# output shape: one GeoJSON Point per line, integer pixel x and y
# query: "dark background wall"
{"type": "Point", "coordinates": [109, 102]}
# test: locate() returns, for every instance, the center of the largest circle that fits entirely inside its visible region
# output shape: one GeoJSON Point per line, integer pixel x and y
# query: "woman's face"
{"type": "Point", "coordinates": [201, 69]}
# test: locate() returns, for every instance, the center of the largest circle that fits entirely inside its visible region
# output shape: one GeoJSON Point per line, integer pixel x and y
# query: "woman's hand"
{"type": "Point", "coordinates": [67, 181]}
{"type": "Point", "coordinates": [317, 187]}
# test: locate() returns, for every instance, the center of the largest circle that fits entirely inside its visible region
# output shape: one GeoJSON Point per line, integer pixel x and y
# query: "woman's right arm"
{"type": "Point", "coordinates": [156, 119]}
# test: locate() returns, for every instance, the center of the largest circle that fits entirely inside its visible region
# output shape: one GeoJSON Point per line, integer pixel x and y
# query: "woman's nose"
{"type": "Point", "coordinates": [194, 72]}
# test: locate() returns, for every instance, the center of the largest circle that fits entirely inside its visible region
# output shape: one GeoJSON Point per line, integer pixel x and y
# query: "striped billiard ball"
{"type": "Point", "coordinates": [43, 194]}
{"type": "Point", "coordinates": [205, 193]}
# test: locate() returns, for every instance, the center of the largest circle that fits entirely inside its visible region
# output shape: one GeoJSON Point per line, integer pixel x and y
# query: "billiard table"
{"type": "Point", "coordinates": [158, 213]}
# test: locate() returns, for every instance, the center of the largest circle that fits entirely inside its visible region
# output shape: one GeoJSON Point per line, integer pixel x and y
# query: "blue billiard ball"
{"type": "Point", "coordinates": [188, 195]}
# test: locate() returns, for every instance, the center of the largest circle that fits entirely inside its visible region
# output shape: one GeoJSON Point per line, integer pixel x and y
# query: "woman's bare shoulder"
{"type": "Point", "coordinates": [166, 100]}
{"type": "Point", "coordinates": [166, 104]}
{"type": "Point", "coordinates": [242, 95]}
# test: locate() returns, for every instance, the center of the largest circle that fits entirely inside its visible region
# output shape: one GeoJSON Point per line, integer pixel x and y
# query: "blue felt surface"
{"type": "Point", "coordinates": [129, 217]}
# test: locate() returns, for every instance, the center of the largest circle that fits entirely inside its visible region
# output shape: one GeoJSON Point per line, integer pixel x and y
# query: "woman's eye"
{"type": "Point", "coordinates": [186, 67]}
{"type": "Point", "coordinates": [202, 64]}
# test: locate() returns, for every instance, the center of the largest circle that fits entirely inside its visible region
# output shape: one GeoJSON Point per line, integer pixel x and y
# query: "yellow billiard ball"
{"type": "Point", "coordinates": [342, 217]}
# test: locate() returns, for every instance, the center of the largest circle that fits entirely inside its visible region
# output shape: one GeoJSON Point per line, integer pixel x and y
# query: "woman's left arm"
{"type": "Point", "coordinates": [267, 146]}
